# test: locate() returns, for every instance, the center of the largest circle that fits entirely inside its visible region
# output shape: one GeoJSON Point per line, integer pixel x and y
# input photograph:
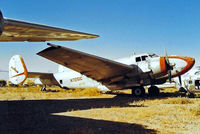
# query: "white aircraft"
{"type": "Point", "coordinates": [65, 78]}
{"type": "Point", "coordinates": [189, 81]}
{"type": "Point", "coordinates": [133, 72]}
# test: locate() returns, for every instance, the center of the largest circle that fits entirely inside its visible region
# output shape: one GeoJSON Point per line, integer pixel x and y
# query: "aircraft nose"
{"type": "Point", "coordinates": [190, 63]}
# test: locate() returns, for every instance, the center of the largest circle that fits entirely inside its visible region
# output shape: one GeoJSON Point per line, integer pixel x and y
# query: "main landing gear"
{"type": "Point", "coordinates": [140, 91]}
{"type": "Point", "coordinates": [153, 91]}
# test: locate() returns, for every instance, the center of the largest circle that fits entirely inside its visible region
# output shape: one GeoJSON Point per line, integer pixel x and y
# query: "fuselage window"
{"type": "Point", "coordinates": [137, 59]}
{"type": "Point", "coordinates": [144, 58]}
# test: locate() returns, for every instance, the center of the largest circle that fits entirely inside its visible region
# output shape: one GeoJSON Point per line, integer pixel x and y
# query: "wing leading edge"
{"type": "Point", "coordinates": [98, 68]}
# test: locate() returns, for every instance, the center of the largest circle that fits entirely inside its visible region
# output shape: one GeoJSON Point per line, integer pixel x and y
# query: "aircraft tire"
{"type": "Point", "coordinates": [153, 91]}
{"type": "Point", "coordinates": [138, 91]}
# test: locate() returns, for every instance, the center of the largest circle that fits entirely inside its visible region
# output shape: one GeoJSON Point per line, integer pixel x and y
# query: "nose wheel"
{"type": "Point", "coordinates": [138, 91]}
{"type": "Point", "coordinates": [153, 91]}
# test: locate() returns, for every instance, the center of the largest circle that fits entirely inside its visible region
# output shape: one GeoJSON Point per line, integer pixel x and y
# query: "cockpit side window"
{"type": "Point", "coordinates": [144, 57]}
{"type": "Point", "coordinates": [137, 59]}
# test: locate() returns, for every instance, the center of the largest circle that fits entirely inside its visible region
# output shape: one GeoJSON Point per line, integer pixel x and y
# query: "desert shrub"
{"type": "Point", "coordinates": [87, 92]}
{"type": "Point", "coordinates": [178, 101]}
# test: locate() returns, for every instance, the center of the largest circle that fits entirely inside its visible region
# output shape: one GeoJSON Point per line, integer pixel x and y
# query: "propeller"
{"type": "Point", "coordinates": [169, 66]}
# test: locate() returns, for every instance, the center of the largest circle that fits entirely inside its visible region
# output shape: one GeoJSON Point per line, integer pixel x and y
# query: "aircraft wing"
{"type": "Point", "coordinates": [98, 68]}
{"type": "Point", "coordinates": [46, 78]}
{"type": "Point", "coordinates": [15, 30]}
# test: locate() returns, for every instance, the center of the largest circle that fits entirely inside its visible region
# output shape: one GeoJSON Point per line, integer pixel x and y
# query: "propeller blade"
{"type": "Point", "coordinates": [170, 76]}
{"type": "Point", "coordinates": [180, 81]}
{"type": "Point", "coordinates": [168, 66]}
{"type": "Point", "coordinates": [166, 56]}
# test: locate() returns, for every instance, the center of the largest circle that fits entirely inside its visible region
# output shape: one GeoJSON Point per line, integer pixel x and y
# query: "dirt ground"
{"type": "Point", "coordinates": [28, 110]}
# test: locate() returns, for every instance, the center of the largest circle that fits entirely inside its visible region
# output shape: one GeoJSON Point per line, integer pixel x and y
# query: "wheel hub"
{"type": "Point", "coordinates": [138, 91]}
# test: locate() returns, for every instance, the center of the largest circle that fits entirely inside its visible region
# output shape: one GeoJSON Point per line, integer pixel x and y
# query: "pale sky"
{"type": "Point", "coordinates": [124, 26]}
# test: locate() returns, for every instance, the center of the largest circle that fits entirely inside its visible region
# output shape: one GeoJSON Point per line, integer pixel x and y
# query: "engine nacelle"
{"type": "Point", "coordinates": [1, 22]}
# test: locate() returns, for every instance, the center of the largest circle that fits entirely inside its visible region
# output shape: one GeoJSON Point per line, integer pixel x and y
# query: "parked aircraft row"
{"type": "Point", "coordinates": [133, 72]}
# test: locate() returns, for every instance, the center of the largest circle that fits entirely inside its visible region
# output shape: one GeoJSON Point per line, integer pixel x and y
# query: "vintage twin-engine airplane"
{"type": "Point", "coordinates": [132, 72]}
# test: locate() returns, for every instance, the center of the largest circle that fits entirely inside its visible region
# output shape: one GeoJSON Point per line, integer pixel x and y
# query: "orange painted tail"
{"type": "Point", "coordinates": [17, 70]}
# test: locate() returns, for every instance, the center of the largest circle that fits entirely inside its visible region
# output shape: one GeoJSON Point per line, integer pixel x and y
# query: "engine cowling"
{"type": "Point", "coordinates": [1, 23]}
{"type": "Point", "coordinates": [158, 66]}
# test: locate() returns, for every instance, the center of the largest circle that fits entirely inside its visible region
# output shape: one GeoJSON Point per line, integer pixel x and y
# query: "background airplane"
{"type": "Point", "coordinates": [16, 30]}
{"type": "Point", "coordinates": [133, 72]}
{"type": "Point", "coordinates": [189, 81]}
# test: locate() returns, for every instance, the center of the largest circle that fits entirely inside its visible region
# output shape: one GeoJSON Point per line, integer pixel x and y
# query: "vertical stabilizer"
{"type": "Point", "coordinates": [17, 70]}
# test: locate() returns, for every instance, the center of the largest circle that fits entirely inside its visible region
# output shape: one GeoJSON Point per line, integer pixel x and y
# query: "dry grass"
{"type": "Point", "coordinates": [166, 115]}
{"type": "Point", "coordinates": [170, 115]}
{"type": "Point", "coordinates": [195, 110]}
{"type": "Point", "coordinates": [178, 100]}
{"type": "Point", "coordinates": [30, 93]}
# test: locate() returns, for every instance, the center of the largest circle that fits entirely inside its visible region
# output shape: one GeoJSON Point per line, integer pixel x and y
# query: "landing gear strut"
{"type": "Point", "coordinates": [138, 91]}
{"type": "Point", "coordinates": [44, 88]}
{"type": "Point", "coordinates": [153, 91]}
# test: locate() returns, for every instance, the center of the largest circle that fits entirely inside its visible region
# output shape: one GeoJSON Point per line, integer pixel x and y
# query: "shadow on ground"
{"type": "Point", "coordinates": [35, 117]}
